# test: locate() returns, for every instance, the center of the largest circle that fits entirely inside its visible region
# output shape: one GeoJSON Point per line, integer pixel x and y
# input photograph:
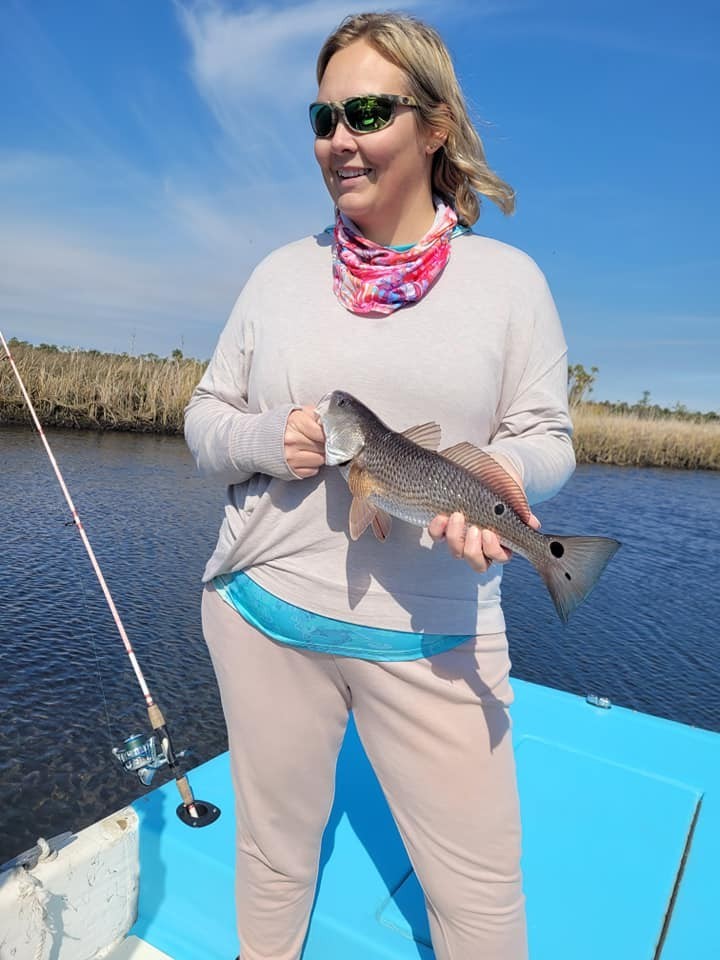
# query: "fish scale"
{"type": "Point", "coordinates": [416, 485]}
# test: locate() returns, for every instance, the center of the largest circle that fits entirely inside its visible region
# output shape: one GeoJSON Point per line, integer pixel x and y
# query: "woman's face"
{"type": "Point", "coordinates": [380, 180]}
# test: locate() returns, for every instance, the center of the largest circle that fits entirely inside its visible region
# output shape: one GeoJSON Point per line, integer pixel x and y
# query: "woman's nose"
{"type": "Point", "coordinates": [342, 139]}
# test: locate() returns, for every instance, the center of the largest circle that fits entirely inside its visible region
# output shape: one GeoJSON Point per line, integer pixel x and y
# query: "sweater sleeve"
{"type": "Point", "coordinates": [534, 429]}
{"type": "Point", "coordinates": [229, 442]}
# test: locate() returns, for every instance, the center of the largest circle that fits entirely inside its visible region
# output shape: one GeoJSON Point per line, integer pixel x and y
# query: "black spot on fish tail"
{"type": "Point", "coordinates": [499, 509]}
{"type": "Point", "coordinates": [572, 568]}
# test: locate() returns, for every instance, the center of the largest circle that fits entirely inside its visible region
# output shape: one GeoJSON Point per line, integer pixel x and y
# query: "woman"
{"type": "Point", "coordinates": [304, 625]}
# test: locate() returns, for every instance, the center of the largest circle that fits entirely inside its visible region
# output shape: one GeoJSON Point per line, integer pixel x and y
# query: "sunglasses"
{"type": "Point", "coordinates": [361, 114]}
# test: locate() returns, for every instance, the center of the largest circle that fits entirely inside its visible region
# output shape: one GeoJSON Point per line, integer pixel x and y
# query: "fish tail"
{"type": "Point", "coordinates": [571, 566]}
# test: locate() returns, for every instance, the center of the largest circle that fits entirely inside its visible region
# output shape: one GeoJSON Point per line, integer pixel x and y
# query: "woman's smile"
{"type": "Point", "coordinates": [352, 173]}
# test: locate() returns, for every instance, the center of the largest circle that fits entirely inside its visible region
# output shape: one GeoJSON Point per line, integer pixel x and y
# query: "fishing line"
{"type": "Point", "coordinates": [139, 755]}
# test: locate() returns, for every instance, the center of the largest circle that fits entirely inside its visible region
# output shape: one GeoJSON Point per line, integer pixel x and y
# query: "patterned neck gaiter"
{"type": "Point", "coordinates": [369, 278]}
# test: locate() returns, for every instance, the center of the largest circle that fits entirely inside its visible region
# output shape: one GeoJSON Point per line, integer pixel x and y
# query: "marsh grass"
{"type": "Point", "coordinates": [88, 389]}
{"type": "Point", "coordinates": [626, 439]}
{"type": "Point", "coordinates": [102, 391]}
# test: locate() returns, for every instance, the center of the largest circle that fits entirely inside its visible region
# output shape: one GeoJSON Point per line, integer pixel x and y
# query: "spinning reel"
{"type": "Point", "coordinates": [143, 756]}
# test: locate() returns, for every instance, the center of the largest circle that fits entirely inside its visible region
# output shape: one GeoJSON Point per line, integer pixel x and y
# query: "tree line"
{"type": "Point", "coordinates": [580, 386]}
{"type": "Point", "coordinates": [177, 355]}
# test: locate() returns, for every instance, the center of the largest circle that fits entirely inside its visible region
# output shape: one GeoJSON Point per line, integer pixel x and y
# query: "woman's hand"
{"type": "Point", "coordinates": [304, 443]}
{"type": "Point", "coordinates": [478, 547]}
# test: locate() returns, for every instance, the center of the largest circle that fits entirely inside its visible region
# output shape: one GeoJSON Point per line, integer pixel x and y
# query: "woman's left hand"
{"type": "Point", "coordinates": [477, 546]}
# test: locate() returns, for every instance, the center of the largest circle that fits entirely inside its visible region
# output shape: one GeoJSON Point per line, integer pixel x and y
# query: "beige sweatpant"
{"type": "Point", "coordinates": [437, 733]}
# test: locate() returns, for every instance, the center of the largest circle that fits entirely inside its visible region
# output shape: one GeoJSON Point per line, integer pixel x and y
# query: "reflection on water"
{"type": "Point", "coordinates": [647, 637]}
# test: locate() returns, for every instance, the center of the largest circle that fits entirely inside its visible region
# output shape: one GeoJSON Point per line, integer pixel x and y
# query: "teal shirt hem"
{"type": "Point", "coordinates": [289, 624]}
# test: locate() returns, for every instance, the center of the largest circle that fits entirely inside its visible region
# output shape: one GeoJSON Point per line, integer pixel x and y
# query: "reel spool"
{"type": "Point", "coordinates": [142, 756]}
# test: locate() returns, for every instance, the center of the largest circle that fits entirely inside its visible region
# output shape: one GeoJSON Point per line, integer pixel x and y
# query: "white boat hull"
{"type": "Point", "coordinates": [78, 904]}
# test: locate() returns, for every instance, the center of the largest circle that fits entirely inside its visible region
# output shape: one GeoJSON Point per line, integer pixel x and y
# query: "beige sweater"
{"type": "Point", "coordinates": [482, 353]}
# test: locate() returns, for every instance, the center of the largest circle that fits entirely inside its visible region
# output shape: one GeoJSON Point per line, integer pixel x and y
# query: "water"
{"type": "Point", "coordinates": [647, 637]}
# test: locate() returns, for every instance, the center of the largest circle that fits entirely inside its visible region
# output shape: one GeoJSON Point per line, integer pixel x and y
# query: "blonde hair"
{"type": "Point", "coordinates": [459, 170]}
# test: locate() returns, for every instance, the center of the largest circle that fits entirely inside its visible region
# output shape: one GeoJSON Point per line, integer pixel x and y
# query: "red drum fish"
{"type": "Point", "coordinates": [404, 475]}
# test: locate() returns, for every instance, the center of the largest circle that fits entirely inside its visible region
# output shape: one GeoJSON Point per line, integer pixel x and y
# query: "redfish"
{"type": "Point", "coordinates": [404, 475]}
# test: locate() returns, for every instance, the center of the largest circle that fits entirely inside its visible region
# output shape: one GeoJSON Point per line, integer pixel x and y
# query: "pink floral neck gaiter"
{"type": "Point", "coordinates": [370, 278]}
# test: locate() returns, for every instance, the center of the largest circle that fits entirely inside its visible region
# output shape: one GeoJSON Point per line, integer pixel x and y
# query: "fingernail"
{"type": "Point", "coordinates": [473, 533]}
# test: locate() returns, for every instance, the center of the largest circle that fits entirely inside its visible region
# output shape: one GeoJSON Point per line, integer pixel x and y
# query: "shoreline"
{"type": "Point", "coordinates": [607, 439]}
{"type": "Point", "coordinates": [629, 440]}
{"type": "Point", "coordinates": [89, 390]}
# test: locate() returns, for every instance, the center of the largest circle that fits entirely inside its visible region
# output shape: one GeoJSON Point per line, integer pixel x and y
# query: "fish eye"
{"type": "Point", "coordinates": [342, 401]}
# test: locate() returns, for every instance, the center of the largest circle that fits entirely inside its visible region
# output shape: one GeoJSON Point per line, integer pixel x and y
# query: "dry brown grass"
{"type": "Point", "coordinates": [630, 440]}
{"type": "Point", "coordinates": [99, 391]}
{"type": "Point", "coordinates": [111, 392]}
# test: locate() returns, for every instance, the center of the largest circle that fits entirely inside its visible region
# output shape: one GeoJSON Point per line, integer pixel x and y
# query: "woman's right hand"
{"type": "Point", "coordinates": [304, 443]}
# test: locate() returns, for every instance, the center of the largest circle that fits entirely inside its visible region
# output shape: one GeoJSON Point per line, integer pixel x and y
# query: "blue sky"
{"type": "Point", "coordinates": [152, 152]}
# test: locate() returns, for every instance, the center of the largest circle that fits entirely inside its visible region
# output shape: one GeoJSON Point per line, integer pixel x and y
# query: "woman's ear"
{"type": "Point", "coordinates": [436, 136]}
{"type": "Point", "coordinates": [436, 140]}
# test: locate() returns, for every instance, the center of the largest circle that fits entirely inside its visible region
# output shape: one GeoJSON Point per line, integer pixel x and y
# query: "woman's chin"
{"type": "Point", "coordinates": [358, 211]}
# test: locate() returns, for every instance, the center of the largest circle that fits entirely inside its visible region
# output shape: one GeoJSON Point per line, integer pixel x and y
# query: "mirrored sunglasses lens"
{"type": "Point", "coordinates": [365, 114]}
{"type": "Point", "coordinates": [321, 119]}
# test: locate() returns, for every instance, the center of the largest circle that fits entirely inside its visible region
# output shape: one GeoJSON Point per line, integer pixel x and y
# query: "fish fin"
{"type": "Point", "coordinates": [381, 524]}
{"type": "Point", "coordinates": [571, 568]}
{"type": "Point", "coordinates": [362, 514]}
{"type": "Point", "coordinates": [486, 468]}
{"type": "Point", "coordinates": [359, 482]}
{"type": "Point", "coordinates": [425, 435]}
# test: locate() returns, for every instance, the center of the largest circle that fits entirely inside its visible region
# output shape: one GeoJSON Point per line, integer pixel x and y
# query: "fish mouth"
{"type": "Point", "coordinates": [323, 405]}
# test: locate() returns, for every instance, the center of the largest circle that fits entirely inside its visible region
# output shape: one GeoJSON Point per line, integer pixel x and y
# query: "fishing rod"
{"type": "Point", "coordinates": [139, 755]}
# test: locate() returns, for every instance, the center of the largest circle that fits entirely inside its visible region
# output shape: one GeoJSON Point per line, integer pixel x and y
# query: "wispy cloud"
{"type": "Point", "coordinates": [236, 54]}
{"type": "Point", "coordinates": [648, 344]}
{"type": "Point", "coordinates": [68, 109]}
{"type": "Point", "coordinates": [59, 285]}
{"type": "Point", "coordinates": [255, 68]}
{"type": "Point", "coordinates": [169, 276]}
{"type": "Point", "coordinates": [270, 50]}
{"type": "Point", "coordinates": [687, 342]}
{"type": "Point", "coordinates": [631, 341]}
{"type": "Point", "coordinates": [97, 246]}
{"type": "Point", "coordinates": [19, 167]}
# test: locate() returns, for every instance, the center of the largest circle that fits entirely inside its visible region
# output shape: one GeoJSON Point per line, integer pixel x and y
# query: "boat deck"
{"type": "Point", "coordinates": [621, 846]}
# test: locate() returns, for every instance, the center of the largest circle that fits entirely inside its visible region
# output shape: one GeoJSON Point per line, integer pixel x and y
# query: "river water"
{"type": "Point", "coordinates": [647, 637]}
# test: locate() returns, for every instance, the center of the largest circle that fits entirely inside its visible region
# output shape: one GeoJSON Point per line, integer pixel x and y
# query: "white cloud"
{"type": "Point", "coordinates": [173, 263]}
{"type": "Point", "coordinates": [255, 70]}
{"type": "Point", "coordinates": [257, 50]}
{"type": "Point", "coordinates": [18, 167]}
{"type": "Point", "coordinates": [255, 67]}
{"type": "Point", "coordinates": [60, 285]}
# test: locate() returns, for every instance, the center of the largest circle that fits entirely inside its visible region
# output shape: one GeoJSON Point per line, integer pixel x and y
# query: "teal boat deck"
{"type": "Point", "coordinates": [621, 848]}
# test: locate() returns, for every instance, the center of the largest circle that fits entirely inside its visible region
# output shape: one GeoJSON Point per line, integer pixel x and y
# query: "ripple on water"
{"type": "Point", "coordinates": [647, 636]}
